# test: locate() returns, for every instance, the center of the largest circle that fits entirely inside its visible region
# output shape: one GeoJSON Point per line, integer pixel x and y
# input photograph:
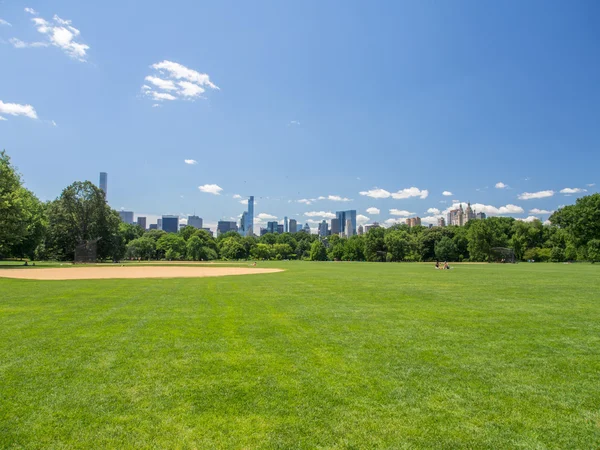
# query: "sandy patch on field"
{"type": "Point", "coordinates": [94, 273]}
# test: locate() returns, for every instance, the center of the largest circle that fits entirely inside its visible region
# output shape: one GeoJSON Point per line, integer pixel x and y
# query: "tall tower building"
{"type": "Point", "coordinates": [249, 223]}
{"type": "Point", "coordinates": [335, 226]}
{"type": "Point", "coordinates": [350, 231]}
{"type": "Point", "coordinates": [293, 226]}
{"type": "Point", "coordinates": [141, 221]}
{"type": "Point", "coordinates": [195, 221]}
{"type": "Point", "coordinates": [285, 225]}
{"type": "Point", "coordinates": [343, 217]}
{"type": "Point", "coordinates": [126, 216]}
{"type": "Point", "coordinates": [104, 182]}
{"type": "Point", "coordinates": [170, 224]}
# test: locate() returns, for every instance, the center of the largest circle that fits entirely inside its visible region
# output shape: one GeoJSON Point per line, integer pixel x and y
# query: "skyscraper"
{"type": "Point", "coordinates": [141, 221]}
{"type": "Point", "coordinates": [195, 221]}
{"type": "Point", "coordinates": [285, 225]}
{"type": "Point", "coordinates": [323, 228]}
{"type": "Point", "coordinates": [343, 217]}
{"type": "Point", "coordinates": [104, 182]}
{"type": "Point", "coordinates": [126, 216]}
{"type": "Point", "coordinates": [293, 226]}
{"type": "Point", "coordinates": [360, 230]}
{"type": "Point", "coordinates": [224, 226]}
{"type": "Point", "coordinates": [280, 229]}
{"type": "Point", "coordinates": [272, 227]}
{"type": "Point", "coordinates": [159, 224]}
{"type": "Point", "coordinates": [243, 224]}
{"type": "Point", "coordinates": [170, 224]}
{"type": "Point", "coordinates": [249, 219]}
{"type": "Point", "coordinates": [350, 230]}
{"type": "Point", "coordinates": [335, 226]}
{"type": "Point", "coordinates": [441, 222]}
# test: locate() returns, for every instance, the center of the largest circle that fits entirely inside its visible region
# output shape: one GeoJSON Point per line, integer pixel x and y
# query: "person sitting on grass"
{"type": "Point", "coordinates": [437, 264]}
{"type": "Point", "coordinates": [446, 266]}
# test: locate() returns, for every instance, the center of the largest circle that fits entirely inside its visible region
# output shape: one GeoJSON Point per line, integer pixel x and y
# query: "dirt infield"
{"type": "Point", "coordinates": [95, 273]}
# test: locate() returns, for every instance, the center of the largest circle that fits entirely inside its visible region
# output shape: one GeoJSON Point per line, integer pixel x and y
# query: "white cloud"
{"type": "Point", "coordinates": [60, 33]}
{"type": "Point", "coordinates": [373, 210]}
{"type": "Point", "coordinates": [5, 23]}
{"type": "Point", "coordinates": [31, 11]}
{"type": "Point", "coordinates": [294, 122]}
{"type": "Point", "coordinates": [528, 219]}
{"type": "Point", "coordinates": [161, 96]}
{"type": "Point", "coordinates": [323, 214]}
{"type": "Point", "coordinates": [335, 198]}
{"type": "Point", "coordinates": [433, 211]}
{"type": "Point", "coordinates": [398, 212]}
{"type": "Point", "coordinates": [244, 201]}
{"type": "Point", "coordinates": [392, 222]}
{"type": "Point", "coordinates": [376, 193]}
{"type": "Point", "coordinates": [156, 105]}
{"type": "Point", "coordinates": [190, 161]}
{"type": "Point", "coordinates": [53, 123]}
{"type": "Point", "coordinates": [165, 85]}
{"type": "Point", "coordinates": [306, 201]}
{"type": "Point", "coordinates": [181, 82]}
{"type": "Point", "coordinates": [3, 118]}
{"type": "Point", "coordinates": [18, 43]}
{"type": "Point", "coordinates": [536, 211]}
{"type": "Point", "coordinates": [572, 190]}
{"type": "Point", "coordinates": [447, 193]}
{"type": "Point", "coordinates": [265, 216]}
{"type": "Point", "coordinates": [501, 185]}
{"type": "Point", "coordinates": [488, 209]}
{"type": "Point", "coordinates": [15, 109]}
{"type": "Point", "coordinates": [236, 196]}
{"type": "Point", "coordinates": [532, 195]}
{"type": "Point", "coordinates": [411, 192]}
{"type": "Point", "coordinates": [211, 189]}
{"type": "Point", "coordinates": [429, 219]}
{"type": "Point", "coordinates": [362, 219]}
{"type": "Point", "coordinates": [591, 185]}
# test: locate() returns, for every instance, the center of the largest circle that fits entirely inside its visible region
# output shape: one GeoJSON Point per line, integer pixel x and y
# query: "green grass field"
{"type": "Point", "coordinates": [323, 355]}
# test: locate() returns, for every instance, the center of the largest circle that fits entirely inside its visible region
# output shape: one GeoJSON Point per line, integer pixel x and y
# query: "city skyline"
{"type": "Point", "coordinates": [403, 110]}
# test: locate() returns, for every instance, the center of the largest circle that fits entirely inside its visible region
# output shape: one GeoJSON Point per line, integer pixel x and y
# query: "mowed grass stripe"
{"type": "Point", "coordinates": [321, 355]}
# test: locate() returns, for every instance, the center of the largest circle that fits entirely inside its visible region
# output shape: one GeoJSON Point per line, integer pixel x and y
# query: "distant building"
{"type": "Point", "coordinates": [126, 216]}
{"type": "Point", "coordinates": [349, 228]}
{"type": "Point", "coordinates": [323, 229]}
{"type": "Point", "coordinates": [159, 224]}
{"type": "Point", "coordinates": [335, 226]}
{"type": "Point", "coordinates": [195, 221]}
{"type": "Point", "coordinates": [285, 225]}
{"type": "Point", "coordinates": [224, 226]}
{"type": "Point", "coordinates": [280, 229]}
{"type": "Point", "coordinates": [272, 227]}
{"type": "Point", "coordinates": [459, 217]}
{"type": "Point", "coordinates": [293, 227]}
{"type": "Point", "coordinates": [153, 226]}
{"type": "Point", "coordinates": [141, 221]}
{"type": "Point", "coordinates": [480, 216]}
{"type": "Point", "coordinates": [306, 228]}
{"type": "Point", "coordinates": [360, 230]}
{"type": "Point", "coordinates": [263, 231]}
{"type": "Point", "coordinates": [170, 224]}
{"type": "Point", "coordinates": [104, 183]}
{"type": "Point", "coordinates": [413, 222]}
{"type": "Point", "coordinates": [441, 222]}
{"type": "Point", "coordinates": [247, 220]}
{"type": "Point", "coordinates": [344, 217]}
{"type": "Point", "coordinates": [370, 226]}
{"type": "Point", "coordinates": [208, 230]}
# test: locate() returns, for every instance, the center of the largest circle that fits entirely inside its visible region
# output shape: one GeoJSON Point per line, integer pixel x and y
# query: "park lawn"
{"type": "Point", "coordinates": [323, 355]}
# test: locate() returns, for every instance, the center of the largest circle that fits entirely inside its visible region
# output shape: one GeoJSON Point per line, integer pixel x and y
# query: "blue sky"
{"type": "Point", "coordinates": [386, 104]}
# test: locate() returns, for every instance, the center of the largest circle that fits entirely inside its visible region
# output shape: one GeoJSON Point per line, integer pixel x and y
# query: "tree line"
{"type": "Point", "coordinates": [52, 230]}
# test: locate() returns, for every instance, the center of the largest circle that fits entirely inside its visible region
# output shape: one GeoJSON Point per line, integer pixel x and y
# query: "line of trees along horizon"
{"type": "Point", "coordinates": [51, 230]}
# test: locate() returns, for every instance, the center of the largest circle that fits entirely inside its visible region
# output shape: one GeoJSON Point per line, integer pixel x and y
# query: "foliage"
{"type": "Point", "coordinates": [593, 250]}
{"type": "Point", "coordinates": [446, 250]}
{"type": "Point", "coordinates": [171, 246]}
{"type": "Point", "coordinates": [318, 251]}
{"type": "Point", "coordinates": [143, 247]}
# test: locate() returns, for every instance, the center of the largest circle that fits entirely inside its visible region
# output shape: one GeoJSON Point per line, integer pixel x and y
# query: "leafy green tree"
{"type": "Point", "coordinates": [375, 249]}
{"type": "Point", "coordinates": [261, 252]}
{"type": "Point", "coordinates": [397, 244]}
{"type": "Point", "coordinates": [143, 247]}
{"type": "Point", "coordinates": [593, 250]}
{"type": "Point", "coordinates": [445, 250]}
{"type": "Point", "coordinates": [318, 252]}
{"type": "Point", "coordinates": [198, 250]}
{"type": "Point", "coordinates": [34, 227]}
{"type": "Point", "coordinates": [282, 251]}
{"type": "Point", "coordinates": [187, 232]}
{"type": "Point", "coordinates": [557, 255]}
{"type": "Point", "coordinates": [337, 250]}
{"type": "Point", "coordinates": [581, 220]}
{"type": "Point", "coordinates": [287, 238]}
{"type": "Point", "coordinates": [82, 214]}
{"type": "Point", "coordinates": [268, 238]}
{"type": "Point", "coordinates": [172, 246]}
{"type": "Point", "coordinates": [232, 248]}
{"type": "Point", "coordinates": [354, 250]}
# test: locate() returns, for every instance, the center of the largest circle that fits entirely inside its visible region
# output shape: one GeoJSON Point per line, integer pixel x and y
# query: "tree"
{"type": "Point", "coordinates": [354, 250]}
{"type": "Point", "coordinates": [187, 232]}
{"type": "Point", "coordinates": [375, 249]}
{"type": "Point", "coordinates": [581, 220]}
{"type": "Point", "coordinates": [397, 244]}
{"type": "Point", "coordinates": [337, 249]}
{"type": "Point", "coordinates": [198, 250]}
{"type": "Point", "coordinates": [268, 238]}
{"type": "Point", "coordinates": [22, 219]}
{"type": "Point", "coordinates": [172, 246]}
{"type": "Point", "coordinates": [445, 250]}
{"type": "Point", "coordinates": [318, 252]}
{"type": "Point", "coordinates": [261, 251]}
{"type": "Point", "coordinates": [143, 247]}
{"type": "Point", "coordinates": [232, 248]}
{"type": "Point", "coordinates": [82, 214]}
{"type": "Point", "coordinates": [282, 251]}
{"type": "Point", "coordinates": [593, 250]}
